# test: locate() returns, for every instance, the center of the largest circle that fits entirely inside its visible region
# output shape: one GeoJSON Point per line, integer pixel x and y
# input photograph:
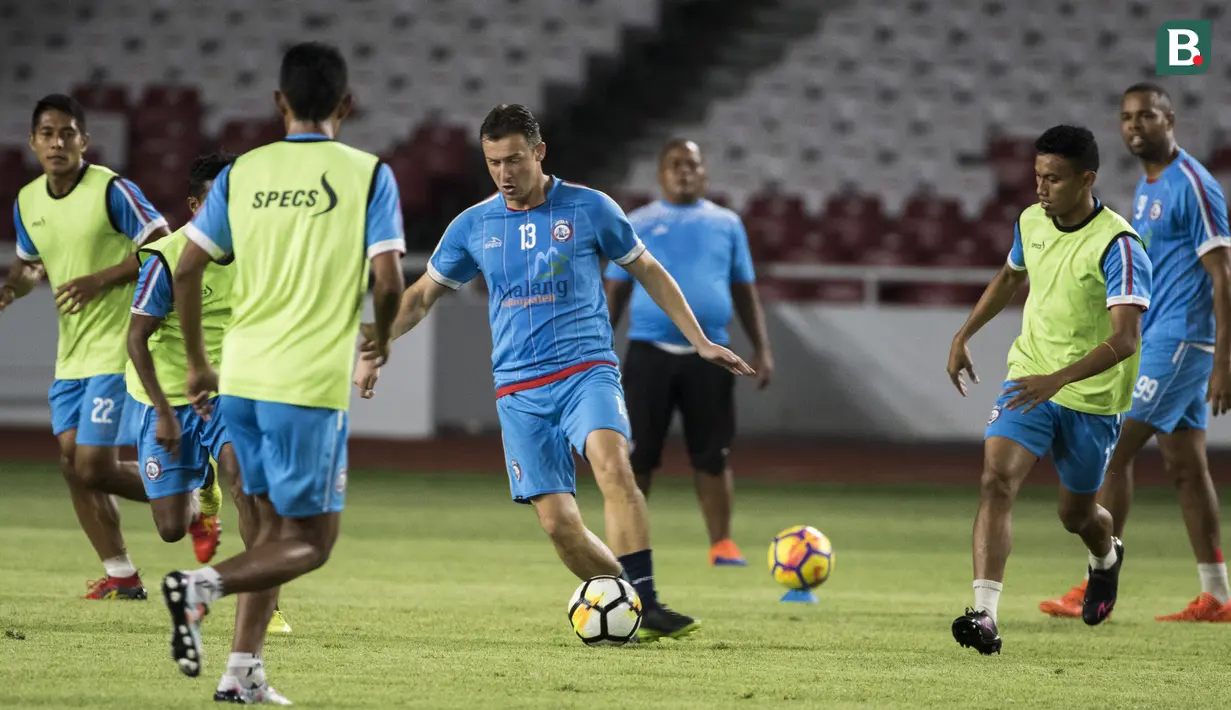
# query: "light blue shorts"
{"type": "Point", "coordinates": [540, 428]}
{"type": "Point", "coordinates": [165, 475]}
{"type": "Point", "coordinates": [1080, 443]}
{"type": "Point", "coordinates": [295, 455]}
{"type": "Point", "coordinates": [1172, 381]}
{"type": "Point", "coordinates": [94, 406]}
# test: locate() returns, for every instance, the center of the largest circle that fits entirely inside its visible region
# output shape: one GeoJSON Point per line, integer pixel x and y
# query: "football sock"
{"type": "Point", "coordinates": [205, 586]}
{"type": "Point", "coordinates": [1214, 580]}
{"type": "Point", "coordinates": [120, 566]}
{"type": "Point", "coordinates": [987, 596]}
{"type": "Point", "coordinates": [1106, 562]}
{"type": "Point", "coordinates": [246, 669]}
{"type": "Point", "coordinates": [639, 570]}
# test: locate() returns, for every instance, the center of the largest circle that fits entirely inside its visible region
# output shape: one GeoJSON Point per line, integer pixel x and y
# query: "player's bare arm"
{"type": "Point", "coordinates": [1123, 343]}
{"type": "Point", "coordinates": [415, 304]}
{"type": "Point", "coordinates": [167, 427]}
{"type": "Point", "coordinates": [22, 277]}
{"type": "Point", "coordinates": [998, 294]}
{"type": "Point", "coordinates": [72, 297]}
{"type": "Point", "coordinates": [1218, 263]}
{"type": "Point", "coordinates": [665, 292]}
{"type": "Point", "coordinates": [752, 318]}
{"type": "Point", "coordinates": [202, 379]}
{"type": "Point", "coordinates": [387, 285]}
{"type": "Point", "coordinates": [618, 292]}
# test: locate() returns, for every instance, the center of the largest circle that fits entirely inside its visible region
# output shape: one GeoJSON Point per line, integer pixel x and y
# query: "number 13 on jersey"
{"type": "Point", "coordinates": [527, 236]}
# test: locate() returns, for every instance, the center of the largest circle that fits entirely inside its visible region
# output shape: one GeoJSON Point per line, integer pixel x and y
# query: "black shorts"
{"type": "Point", "coordinates": [656, 383]}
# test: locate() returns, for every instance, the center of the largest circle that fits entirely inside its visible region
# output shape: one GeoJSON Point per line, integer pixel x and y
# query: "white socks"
{"type": "Point", "coordinates": [1106, 562]}
{"type": "Point", "coordinates": [987, 596]}
{"type": "Point", "coordinates": [119, 566]}
{"type": "Point", "coordinates": [1214, 581]}
{"type": "Point", "coordinates": [204, 587]}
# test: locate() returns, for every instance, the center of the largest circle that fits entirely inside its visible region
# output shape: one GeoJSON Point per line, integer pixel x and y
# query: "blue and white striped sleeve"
{"type": "Point", "coordinates": [1204, 210]}
{"type": "Point", "coordinates": [153, 296]}
{"type": "Point", "coordinates": [1128, 272]}
{"type": "Point", "coordinates": [384, 231]}
{"type": "Point", "coordinates": [210, 229]}
{"type": "Point", "coordinates": [131, 212]}
{"type": "Point", "coordinates": [26, 250]}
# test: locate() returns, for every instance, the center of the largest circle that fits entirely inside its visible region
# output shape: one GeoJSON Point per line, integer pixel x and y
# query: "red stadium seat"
{"type": "Point", "coordinates": [102, 97]}
{"type": "Point", "coordinates": [243, 136]}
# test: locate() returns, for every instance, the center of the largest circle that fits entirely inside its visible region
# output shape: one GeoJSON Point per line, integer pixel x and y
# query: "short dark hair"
{"type": "Point", "coordinates": [313, 80]}
{"type": "Point", "coordinates": [510, 119]}
{"type": "Point", "coordinates": [1074, 143]}
{"type": "Point", "coordinates": [206, 168]}
{"type": "Point", "coordinates": [1149, 87]}
{"type": "Point", "coordinates": [672, 145]}
{"type": "Point", "coordinates": [61, 103]}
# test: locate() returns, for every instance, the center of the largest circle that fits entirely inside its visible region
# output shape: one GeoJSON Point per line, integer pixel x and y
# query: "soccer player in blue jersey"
{"type": "Point", "coordinates": [1181, 214]}
{"type": "Point", "coordinates": [304, 218]}
{"type": "Point", "coordinates": [538, 243]}
{"type": "Point", "coordinates": [81, 224]}
{"type": "Point", "coordinates": [704, 247]}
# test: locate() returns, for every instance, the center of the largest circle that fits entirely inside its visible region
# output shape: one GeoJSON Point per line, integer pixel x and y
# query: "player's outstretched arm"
{"type": "Point", "coordinates": [415, 304]}
{"type": "Point", "coordinates": [1218, 263]}
{"type": "Point", "coordinates": [202, 380]}
{"type": "Point", "coordinates": [666, 293]}
{"type": "Point", "coordinates": [72, 297]}
{"type": "Point", "coordinates": [998, 294]}
{"type": "Point", "coordinates": [22, 277]}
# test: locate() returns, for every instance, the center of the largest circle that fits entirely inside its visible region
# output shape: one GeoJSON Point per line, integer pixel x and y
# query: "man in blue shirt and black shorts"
{"type": "Point", "coordinates": [704, 247]}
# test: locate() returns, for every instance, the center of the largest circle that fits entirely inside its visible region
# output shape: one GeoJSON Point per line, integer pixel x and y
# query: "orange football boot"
{"type": "Point", "coordinates": [206, 532]}
{"type": "Point", "coordinates": [1067, 606]}
{"type": "Point", "coordinates": [1203, 608]}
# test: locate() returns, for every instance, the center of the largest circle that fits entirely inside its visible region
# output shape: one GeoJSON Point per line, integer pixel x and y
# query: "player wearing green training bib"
{"type": "Point", "coordinates": [174, 444]}
{"type": "Point", "coordinates": [80, 224]}
{"type": "Point", "coordinates": [305, 219]}
{"type": "Point", "coordinates": [1071, 371]}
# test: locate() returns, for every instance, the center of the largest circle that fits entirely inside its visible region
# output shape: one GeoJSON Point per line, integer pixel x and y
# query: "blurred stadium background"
{"type": "Point", "coordinates": [878, 153]}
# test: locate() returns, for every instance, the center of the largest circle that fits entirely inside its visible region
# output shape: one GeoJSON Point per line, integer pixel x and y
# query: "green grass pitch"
{"type": "Point", "coordinates": [441, 593]}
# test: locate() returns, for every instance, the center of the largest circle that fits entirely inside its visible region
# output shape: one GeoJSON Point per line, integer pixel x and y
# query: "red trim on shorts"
{"type": "Point", "coordinates": [553, 377]}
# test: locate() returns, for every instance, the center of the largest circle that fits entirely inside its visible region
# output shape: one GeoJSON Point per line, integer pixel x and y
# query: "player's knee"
{"type": "Point", "coordinates": [171, 528]}
{"type": "Point", "coordinates": [996, 482]}
{"type": "Point", "coordinates": [1184, 473]}
{"type": "Point", "coordinates": [1075, 519]}
{"type": "Point", "coordinates": [562, 525]}
{"type": "Point", "coordinates": [90, 468]}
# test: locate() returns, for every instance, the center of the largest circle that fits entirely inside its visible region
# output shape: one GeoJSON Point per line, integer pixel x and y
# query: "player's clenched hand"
{"type": "Point", "coordinates": [7, 296]}
{"type": "Point", "coordinates": [73, 296]}
{"type": "Point", "coordinates": [366, 373]}
{"type": "Point", "coordinates": [959, 362]}
{"type": "Point", "coordinates": [725, 359]}
{"type": "Point", "coordinates": [167, 433]}
{"type": "Point", "coordinates": [1032, 391]}
{"type": "Point", "coordinates": [201, 384]}
{"type": "Point", "coordinates": [1219, 395]}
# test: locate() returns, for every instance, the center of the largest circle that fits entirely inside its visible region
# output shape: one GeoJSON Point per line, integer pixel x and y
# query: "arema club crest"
{"type": "Point", "coordinates": [562, 230]}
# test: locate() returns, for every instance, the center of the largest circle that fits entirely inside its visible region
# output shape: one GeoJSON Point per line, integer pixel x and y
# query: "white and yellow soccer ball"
{"type": "Point", "coordinates": [605, 611]}
{"type": "Point", "coordinates": [800, 557]}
